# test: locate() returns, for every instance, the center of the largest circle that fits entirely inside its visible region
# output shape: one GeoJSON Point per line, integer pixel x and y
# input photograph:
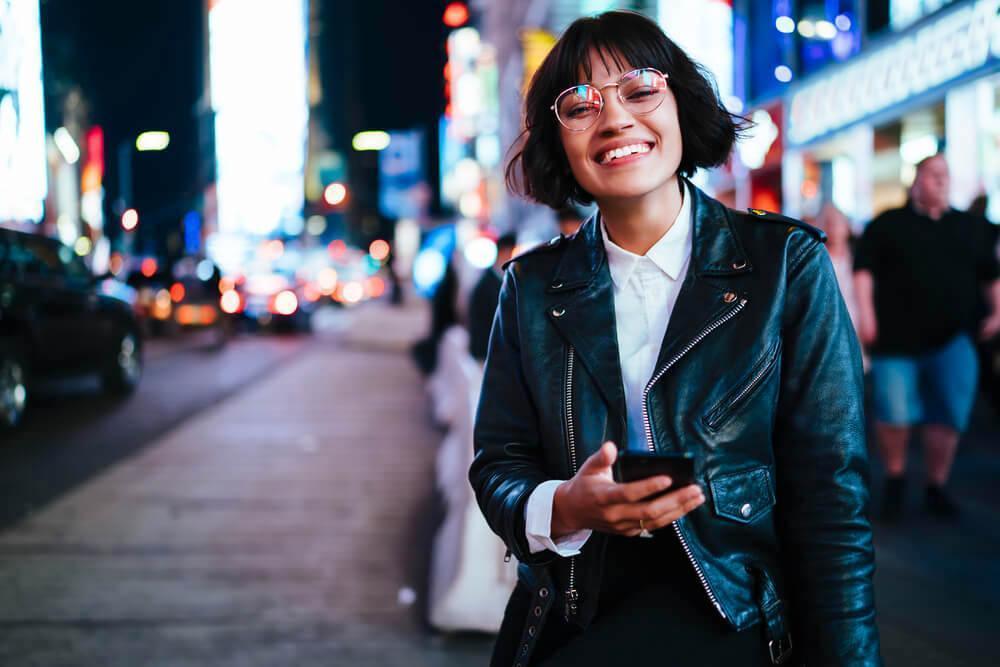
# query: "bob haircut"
{"type": "Point", "coordinates": [539, 169]}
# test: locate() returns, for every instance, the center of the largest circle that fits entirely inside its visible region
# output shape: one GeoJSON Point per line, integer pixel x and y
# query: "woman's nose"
{"type": "Point", "coordinates": [615, 116]}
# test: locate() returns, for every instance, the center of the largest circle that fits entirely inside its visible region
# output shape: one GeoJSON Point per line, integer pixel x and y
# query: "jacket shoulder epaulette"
{"type": "Point", "coordinates": [791, 223]}
{"type": "Point", "coordinates": [554, 243]}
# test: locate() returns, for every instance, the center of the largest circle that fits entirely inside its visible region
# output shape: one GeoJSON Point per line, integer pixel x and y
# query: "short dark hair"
{"type": "Point", "coordinates": [539, 168]}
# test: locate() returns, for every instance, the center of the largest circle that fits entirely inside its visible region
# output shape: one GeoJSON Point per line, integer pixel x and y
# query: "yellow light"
{"type": "Point", "coordinates": [353, 292]}
{"type": "Point", "coordinates": [130, 219]}
{"type": "Point", "coordinates": [379, 250]}
{"type": "Point", "coordinates": [286, 303]}
{"type": "Point", "coordinates": [370, 140]}
{"type": "Point", "coordinates": [83, 246]}
{"type": "Point", "coordinates": [152, 141]}
{"type": "Point", "coordinates": [335, 194]}
{"type": "Point", "coordinates": [327, 280]}
{"type": "Point", "coordinates": [162, 307]}
{"type": "Point", "coordinates": [230, 301]}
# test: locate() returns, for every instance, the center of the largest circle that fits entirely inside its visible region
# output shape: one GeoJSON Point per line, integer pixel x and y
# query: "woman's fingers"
{"type": "Point", "coordinates": [633, 492]}
{"type": "Point", "coordinates": [662, 513]}
{"type": "Point", "coordinates": [623, 518]}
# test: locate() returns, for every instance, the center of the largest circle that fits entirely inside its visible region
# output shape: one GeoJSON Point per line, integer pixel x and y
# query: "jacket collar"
{"type": "Point", "coordinates": [669, 254]}
{"type": "Point", "coordinates": [580, 299]}
{"type": "Point", "coordinates": [716, 249]}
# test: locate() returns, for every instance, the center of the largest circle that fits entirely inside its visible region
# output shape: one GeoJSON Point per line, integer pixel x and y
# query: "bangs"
{"type": "Point", "coordinates": [617, 39]}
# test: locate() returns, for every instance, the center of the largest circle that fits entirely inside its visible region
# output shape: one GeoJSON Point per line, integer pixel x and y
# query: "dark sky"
{"type": "Point", "coordinates": [139, 64]}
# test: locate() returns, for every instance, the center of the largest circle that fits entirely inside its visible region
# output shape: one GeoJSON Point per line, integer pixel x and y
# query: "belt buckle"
{"type": "Point", "coordinates": [778, 649]}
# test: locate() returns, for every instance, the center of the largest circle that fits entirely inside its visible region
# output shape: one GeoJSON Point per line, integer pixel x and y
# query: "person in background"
{"type": "Point", "coordinates": [483, 300]}
{"type": "Point", "coordinates": [989, 350]}
{"type": "Point", "coordinates": [918, 272]}
{"type": "Point", "coordinates": [568, 220]}
{"type": "Point", "coordinates": [838, 243]}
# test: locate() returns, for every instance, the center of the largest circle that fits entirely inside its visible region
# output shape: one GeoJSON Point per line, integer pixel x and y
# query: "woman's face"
{"type": "Point", "coordinates": [657, 134]}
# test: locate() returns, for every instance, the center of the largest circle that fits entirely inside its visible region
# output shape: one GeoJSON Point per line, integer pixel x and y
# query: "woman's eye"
{"type": "Point", "coordinates": [642, 93]}
{"type": "Point", "coordinates": [581, 110]}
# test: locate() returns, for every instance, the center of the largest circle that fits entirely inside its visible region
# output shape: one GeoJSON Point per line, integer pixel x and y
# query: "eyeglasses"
{"type": "Point", "coordinates": [641, 91]}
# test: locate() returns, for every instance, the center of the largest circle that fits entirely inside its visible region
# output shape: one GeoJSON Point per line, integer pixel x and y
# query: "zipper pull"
{"type": "Point", "coordinates": [572, 603]}
{"type": "Point", "coordinates": [506, 556]}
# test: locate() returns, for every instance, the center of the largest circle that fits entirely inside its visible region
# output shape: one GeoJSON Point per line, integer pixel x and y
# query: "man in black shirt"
{"type": "Point", "coordinates": [919, 270]}
{"type": "Point", "coordinates": [484, 298]}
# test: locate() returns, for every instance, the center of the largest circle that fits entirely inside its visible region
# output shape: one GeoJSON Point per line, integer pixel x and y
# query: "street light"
{"type": "Point", "coordinates": [370, 140]}
{"type": "Point", "coordinates": [152, 141]}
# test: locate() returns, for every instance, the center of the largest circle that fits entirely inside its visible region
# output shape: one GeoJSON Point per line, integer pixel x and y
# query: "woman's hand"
{"type": "Point", "coordinates": [593, 500]}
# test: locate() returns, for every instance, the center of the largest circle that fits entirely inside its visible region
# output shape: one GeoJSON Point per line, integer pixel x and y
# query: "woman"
{"type": "Point", "coordinates": [673, 324]}
{"type": "Point", "coordinates": [837, 228]}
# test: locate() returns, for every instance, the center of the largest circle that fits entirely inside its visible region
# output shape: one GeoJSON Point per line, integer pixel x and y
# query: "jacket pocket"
{"type": "Point", "coordinates": [745, 389]}
{"type": "Point", "coordinates": [744, 495]}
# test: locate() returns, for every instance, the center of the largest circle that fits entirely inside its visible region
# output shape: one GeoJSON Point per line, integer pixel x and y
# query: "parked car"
{"type": "Point", "coordinates": [57, 320]}
{"type": "Point", "coordinates": [197, 300]}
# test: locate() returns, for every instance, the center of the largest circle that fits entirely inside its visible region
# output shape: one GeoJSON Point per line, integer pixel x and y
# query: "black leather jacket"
{"type": "Point", "coordinates": [759, 376]}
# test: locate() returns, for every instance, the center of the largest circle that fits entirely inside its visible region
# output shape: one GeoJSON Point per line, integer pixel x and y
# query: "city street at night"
{"type": "Point", "coordinates": [507, 333]}
{"type": "Point", "coordinates": [265, 514]}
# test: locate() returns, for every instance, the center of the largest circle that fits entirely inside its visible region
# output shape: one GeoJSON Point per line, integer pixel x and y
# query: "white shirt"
{"type": "Point", "coordinates": [645, 290]}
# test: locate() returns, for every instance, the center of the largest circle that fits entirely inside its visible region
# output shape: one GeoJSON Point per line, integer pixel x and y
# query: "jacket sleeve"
{"type": "Point", "coordinates": [507, 465]}
{"type": "Point", "coordinates": [822, 469]}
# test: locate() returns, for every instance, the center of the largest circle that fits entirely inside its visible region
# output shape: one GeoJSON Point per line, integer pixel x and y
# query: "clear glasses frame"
{"type": "Point", "coordinates": [617, 85]}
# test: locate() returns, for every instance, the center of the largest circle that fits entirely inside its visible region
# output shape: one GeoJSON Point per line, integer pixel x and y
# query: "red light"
{"type": "Point", "coordinates": [337, 249]}
{"type": "Point", "coordinates": [376, 287]}
{"type": "Point", "coordinates": [177, 292]}
{"type": "Point", "coordinates": [148, 267]}
{"type": "Point", "coordinates": [456, 14]}
{"type": "Point", "coordinates": [379, 250]}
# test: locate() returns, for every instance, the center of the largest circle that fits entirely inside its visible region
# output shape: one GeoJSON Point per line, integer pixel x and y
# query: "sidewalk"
{"type": "Point", "coordinates": [288, 526]}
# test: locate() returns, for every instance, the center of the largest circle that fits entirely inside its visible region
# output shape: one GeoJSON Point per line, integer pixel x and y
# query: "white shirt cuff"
{"type": "Point", "coordinates": [538, 523]}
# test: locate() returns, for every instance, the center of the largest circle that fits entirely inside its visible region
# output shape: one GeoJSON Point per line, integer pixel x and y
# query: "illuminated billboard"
{"type": "Point", "coordinates": [23, 183]}
{"type": "Point", "coordinates": [258, 61]}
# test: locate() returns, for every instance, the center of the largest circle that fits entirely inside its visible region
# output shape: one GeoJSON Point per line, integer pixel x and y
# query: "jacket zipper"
{"type": "Point", "coordinates": [652, 448]}
{"type": "Point", "coordinates": [572, 595]}
{"type": "Point", "coordinates": [754, 381]}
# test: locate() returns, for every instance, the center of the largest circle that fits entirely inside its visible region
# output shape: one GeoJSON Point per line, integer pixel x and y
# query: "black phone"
{"type": "Point", "coordinates": [631, 466]}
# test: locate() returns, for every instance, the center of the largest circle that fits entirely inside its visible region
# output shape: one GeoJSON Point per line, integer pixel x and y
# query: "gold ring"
{"type": "Point", "coordinates": [642, 530]}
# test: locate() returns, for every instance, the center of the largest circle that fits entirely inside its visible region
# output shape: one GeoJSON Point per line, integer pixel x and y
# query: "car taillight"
{"type": "Point", "coordinates": [230, 302]}
{"type": "Point", "coordinates": [285, 303]}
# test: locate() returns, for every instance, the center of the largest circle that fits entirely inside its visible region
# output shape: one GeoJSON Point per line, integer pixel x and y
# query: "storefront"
{"type": "Point", "coordinates": [855, 131]}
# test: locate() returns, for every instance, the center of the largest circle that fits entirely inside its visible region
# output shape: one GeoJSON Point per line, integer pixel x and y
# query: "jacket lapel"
{"type": "Point", "coordinates": [707, 293]}
{"type": "Point", "coordinates": [580, 304]}
{"type": "Point", "coordinates": [580, 298]}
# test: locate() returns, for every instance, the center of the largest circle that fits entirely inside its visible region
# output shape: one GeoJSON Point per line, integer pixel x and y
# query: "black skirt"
{"type": "Point", "coordinates": [652, 611]}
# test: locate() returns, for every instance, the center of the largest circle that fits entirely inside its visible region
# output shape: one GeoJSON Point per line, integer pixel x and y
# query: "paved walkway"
{"type": "Point", "coordinates": [287, 526]}
{"type": "Point", "coordinates": [290, 526]}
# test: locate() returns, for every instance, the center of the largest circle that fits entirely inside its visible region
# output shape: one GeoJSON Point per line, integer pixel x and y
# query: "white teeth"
{"type": "Point", "coordinates": [623, 151]}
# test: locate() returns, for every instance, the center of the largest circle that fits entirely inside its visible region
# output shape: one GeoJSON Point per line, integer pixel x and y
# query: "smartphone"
{"type": "Point", "coordinates": [632, 466]}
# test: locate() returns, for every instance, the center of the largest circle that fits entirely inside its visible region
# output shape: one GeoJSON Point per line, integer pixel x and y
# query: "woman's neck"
{"type": "Point", "coordinates": [636, 224]}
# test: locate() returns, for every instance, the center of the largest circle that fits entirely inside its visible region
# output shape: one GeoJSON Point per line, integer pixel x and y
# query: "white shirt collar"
{"type": "Point", "coordinates": [669, 254]}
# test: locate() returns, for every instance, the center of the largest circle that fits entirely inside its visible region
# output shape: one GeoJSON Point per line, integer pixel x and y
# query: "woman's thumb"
{"type": "Point", "coordinates": [600, 460]}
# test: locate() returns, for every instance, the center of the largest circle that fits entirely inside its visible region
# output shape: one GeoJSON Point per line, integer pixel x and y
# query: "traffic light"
{"type": "Point", "coordinates": [456, 14]}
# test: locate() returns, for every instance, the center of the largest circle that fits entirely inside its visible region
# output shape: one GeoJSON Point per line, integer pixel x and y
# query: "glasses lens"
{"type": "Point", "coordinates": [579, 107]}
{"type": "Point", "coordinates": [643, 90]}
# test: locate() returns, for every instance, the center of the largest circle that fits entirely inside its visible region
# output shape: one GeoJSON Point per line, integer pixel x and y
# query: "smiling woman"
{"type": "Point", "coordinates": [670, 325]}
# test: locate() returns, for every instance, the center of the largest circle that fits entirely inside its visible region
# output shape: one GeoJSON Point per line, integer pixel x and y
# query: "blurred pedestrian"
{"type": "Point", "coordinates": [919, 272]}
{"type": "Point", "coordinates": [568, 220]}
{"type": "Point", "coordinates": [838, 243]}
{"type": "Point", "coordinates": [483, 300]}
{"type": "Point", "coordinates": [989, 350]}
{"type": "Point", "coordinates": [660, 327]}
